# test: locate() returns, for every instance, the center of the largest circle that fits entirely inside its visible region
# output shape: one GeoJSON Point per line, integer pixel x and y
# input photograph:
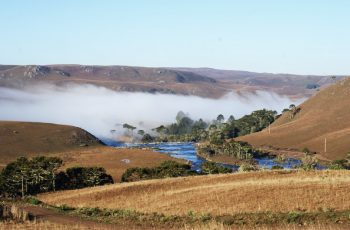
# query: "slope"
{"type": "Point", "coordinates": [29, 138]}
{"type": "Point", "coordinates": [323, 118]}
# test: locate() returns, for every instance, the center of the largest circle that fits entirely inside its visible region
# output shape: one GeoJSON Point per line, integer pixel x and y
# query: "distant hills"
{"type": "Point", "coordinates": [324, 119]}
{"type": "Point", "coordinates": [203, 82]}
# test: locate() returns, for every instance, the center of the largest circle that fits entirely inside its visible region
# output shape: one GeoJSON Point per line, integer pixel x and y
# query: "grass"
{"type": "Point", "coordinates": [312, 125]}
{"type": "Point", "coordinates": [125, 217]}
{"type": "Point", "coordinates": [32, 139]}
{"type": "Point", "coordinates": [45, 225]}
{"type": "Point", "coordinates": [267, 191]}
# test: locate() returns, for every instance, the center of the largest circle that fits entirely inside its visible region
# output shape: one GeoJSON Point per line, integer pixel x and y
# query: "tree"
{"type": "Point", "coordinates": [220, 118]}
{"type": "Point", "coordinates": [129, 127]}
{"type": "Point", "coordinates": [292, 109]}
{"type": "Point", "coordinates": [231, 119]}
{"type": "Point", "coordinates": [160, 130]}
{"type": "Point", "coordinates": [179, 116]}
{"type": "Point", "coordinates": [147, 138]}
{"type": "Point", "coordinates": [141, 132]}
{"type": "Point", "coordinates": [29, 177]}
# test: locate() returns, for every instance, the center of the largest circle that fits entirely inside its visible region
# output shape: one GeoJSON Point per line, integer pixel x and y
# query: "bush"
{"type": "Point", "coordinates": [213, 168]}
{"type": "Point", "coordinates": [339, 164]}
{"type": "Point", "coordinates": [33, 201]}
{"type": "Point", "coordinates": [147, 138]}
{"type": "Point", "coordinates": [166, 169]}
{"type": "Point", "coordinates": [81, 177]}
{"type": "Point", "coordinates": [276, 167]}
{"type": "Point", "coordinates": [294, 217]}
{"type": "Point", "coordinates": [309, 163]}
{"type": "Point", "coordinates": [247, 168]}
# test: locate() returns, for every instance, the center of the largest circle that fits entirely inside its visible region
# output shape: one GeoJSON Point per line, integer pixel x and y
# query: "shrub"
{"type": "Point", "coordinates": [308, 162]}
{"type": "Point", "coordinates": [33, 200]}
{"type": "Point", "coordinates": [247, 168]}
{"type": "Point", "coordinates": [294, 217]}
{"type": "Point", "coordinates": [276, 167]}
{"type": "Point", "coordinates": [165, 169]}
{"type": "Point", "coordinates": [339, 164]}
{"type": "Point", "coordinates": [81, 177]}
{"type": "Point", "coordinates": [213, 168]}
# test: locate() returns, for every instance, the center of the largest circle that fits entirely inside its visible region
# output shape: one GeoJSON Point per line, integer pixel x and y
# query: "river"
{"type": "Point", "coordinates": [187, 151]}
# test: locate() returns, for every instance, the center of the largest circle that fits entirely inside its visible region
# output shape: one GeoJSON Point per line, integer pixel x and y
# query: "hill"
{"type": "Point", "coordinates": [29, 138]}
{"type": "Point", "coordinates": [203, 82]}
{"type": "Point", "coordinates": [75, 146]}
{"type": "Point", "coordinates": [219, 195]}
{"type": "Point", "coordinates": [325, 117]}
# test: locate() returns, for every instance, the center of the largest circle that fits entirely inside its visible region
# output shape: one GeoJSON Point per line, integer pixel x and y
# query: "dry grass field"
{"type": "Point", "coordinates": [211, 226]}
{"type": "Point", "coordinates": [324, 116]}
{"type": "Point", "coordinates": [32, 138]}
{"type": "Point", "coordinates": [114, 160]}
{"type": "Point", "coordinates": [275, 191]}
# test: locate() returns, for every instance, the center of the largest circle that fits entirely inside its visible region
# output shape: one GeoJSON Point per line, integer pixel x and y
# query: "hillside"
{"type": "Point", "coordinates": [29, 138]}
{"type": "Point", "coordinates": [75, 146]}
{"type": "Point", "coordinates": [203, 82]}
{"type": "Point", "coordinates": [295, 86]}
{"type": "Point", "coordinates": [324, 116]}
{"type": "Point", "coordinates": [269, 191]}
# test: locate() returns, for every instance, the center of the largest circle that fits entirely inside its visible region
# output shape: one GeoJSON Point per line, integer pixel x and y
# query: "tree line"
{"type": "Point", "coordinates": [41, 174]}
{"type": "Point", "coordinates": [186, 129]}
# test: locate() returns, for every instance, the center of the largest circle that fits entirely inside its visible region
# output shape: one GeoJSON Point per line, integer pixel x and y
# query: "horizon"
{"type": "Point", "coordinates": [181, 67]}
{"type": "Point", "coordinates": [304, 38]}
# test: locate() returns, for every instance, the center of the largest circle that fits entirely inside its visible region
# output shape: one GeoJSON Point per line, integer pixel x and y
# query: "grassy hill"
{"type": "Point", "coordinates": [75, 146]}
{"type": "Point", "coordinates": [269, 191]}
{"type": "Point", "coordinates": [324, 116]}
{"type": "Point", "coordinates": [29, 138]}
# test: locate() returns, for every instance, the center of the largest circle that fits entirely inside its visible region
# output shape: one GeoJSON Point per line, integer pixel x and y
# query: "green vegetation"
{"type": "Point", "coordinates": [277, 167]}
{"type": "Point", "coordinates": [340, 164]}
{"type": "Point", "coordinates": [166, 169]}
{"type": "Point", "coordinates": [247, 168]}
{"type": "Point", "coordinates": [185, 129]}
{"type": "Point", "coordinates": [241, 151]}
{"type": "Point", "coordinates": [171, 169]}
{"type": "Point", "coordinates": [32, 176]}
{"type": "Point", "coordinates": [308, 162]}
{"type": "Point", "coordinates": [213, 168]}
{"type": "Point", "coordinates": [81, 177]}
{"type": "Point", "coordinates": [285, 220]}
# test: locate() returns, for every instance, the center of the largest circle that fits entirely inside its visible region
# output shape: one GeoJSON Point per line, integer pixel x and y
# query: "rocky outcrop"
{"type": "Point", "coordinates": [35, 71]}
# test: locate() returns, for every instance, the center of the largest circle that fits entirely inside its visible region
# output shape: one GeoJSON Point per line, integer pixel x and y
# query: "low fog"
{"type": "Point", "coordinates": [100, 110]}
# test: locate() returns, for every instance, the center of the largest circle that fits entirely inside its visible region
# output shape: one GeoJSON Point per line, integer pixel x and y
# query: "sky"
{"type": "Point", "coordinates": [278, 36]}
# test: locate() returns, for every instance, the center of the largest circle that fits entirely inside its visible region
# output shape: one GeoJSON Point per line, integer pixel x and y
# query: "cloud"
{"type": "Point", "coordinates": [100, 110]}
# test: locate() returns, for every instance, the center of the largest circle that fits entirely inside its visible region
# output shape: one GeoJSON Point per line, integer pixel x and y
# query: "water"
{"type": "Point", "coordinates": [268, 163]}
{"type": "Point", "coordinates": [187, 151]}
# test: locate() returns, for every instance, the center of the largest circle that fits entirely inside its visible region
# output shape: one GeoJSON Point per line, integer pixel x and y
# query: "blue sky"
{"type": "Point", "coordinates": [289, 36]}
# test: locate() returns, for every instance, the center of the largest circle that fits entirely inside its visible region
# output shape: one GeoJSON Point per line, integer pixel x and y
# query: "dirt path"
{"type": "Point", "coordinates": [47, 215]}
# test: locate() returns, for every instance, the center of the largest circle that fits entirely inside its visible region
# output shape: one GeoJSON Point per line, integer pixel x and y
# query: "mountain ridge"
{"type": "Point", "coordinates": [203, 82]}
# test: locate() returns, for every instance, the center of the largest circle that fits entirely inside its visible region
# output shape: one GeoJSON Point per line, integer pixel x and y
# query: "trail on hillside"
{"type": "Point", "coordinates": [47, 215]}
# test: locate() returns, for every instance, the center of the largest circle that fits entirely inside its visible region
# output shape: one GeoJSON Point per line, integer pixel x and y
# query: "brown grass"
{"type": "Point", "coordinates": [31, 139]}
{"type": "Point", "coordinates": [111, 159]}
{"type": "Point", "coordinates": [42, 226]}
{"type": "Point", "coordinates": [325, 115]}
{"type": "Point", "coordinates": [45, 225]}
{"type": "Point", "coordinates": [276, 191]}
